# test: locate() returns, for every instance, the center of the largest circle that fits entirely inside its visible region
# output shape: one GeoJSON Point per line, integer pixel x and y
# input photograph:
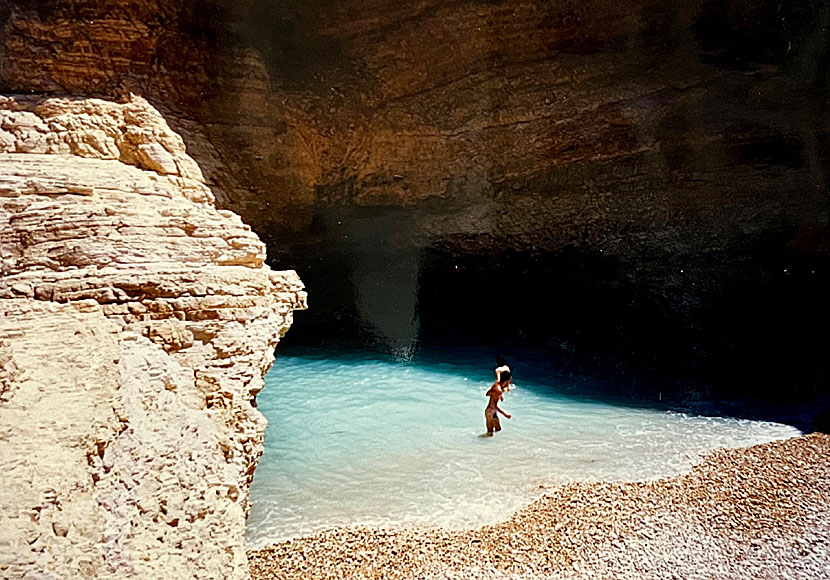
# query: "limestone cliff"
{"type": "Point", "coordinates": [137, 324]}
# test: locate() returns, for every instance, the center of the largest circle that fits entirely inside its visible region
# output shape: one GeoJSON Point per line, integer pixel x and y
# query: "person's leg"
{"type": "Point", "coordinates": [488, 418]}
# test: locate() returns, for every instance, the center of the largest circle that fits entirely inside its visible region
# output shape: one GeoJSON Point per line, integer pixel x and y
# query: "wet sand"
{"type": "Point", "coordinates": [757, 512]}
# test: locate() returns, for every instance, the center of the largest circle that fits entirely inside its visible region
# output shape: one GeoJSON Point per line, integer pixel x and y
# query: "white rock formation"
{"type": "Point", "coordinates": [137, 324]}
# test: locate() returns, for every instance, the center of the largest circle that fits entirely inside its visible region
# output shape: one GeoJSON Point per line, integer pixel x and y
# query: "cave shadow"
{"type": "Point", "coordinates": [736, 331]}
{"type": "Point", "coordinates": [737, 328]}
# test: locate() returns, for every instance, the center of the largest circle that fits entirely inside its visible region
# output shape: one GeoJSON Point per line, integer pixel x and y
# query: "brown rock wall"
{"type": "Point", "coordinates": [87, 48]}
{"type": "Point", "coordinates": [514, 109]}
{"type": "Point", "coordinates": [501, 105]}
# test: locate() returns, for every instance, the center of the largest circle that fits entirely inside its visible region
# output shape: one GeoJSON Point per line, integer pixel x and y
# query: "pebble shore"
{"type": "Point", "coordinates": [757, 512]}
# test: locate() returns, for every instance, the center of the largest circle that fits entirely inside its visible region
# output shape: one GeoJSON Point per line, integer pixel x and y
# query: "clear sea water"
{"type": "Point", "coordinates": [361, 439]}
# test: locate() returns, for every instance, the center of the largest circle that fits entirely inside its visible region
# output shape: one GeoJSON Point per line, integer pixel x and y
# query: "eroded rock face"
{"type": "Point", "coordinates": [539, 123]}
{"type": "Point", "coordinates": [534, 123]}
{"type": "Point", "coordinates": [138, 322]}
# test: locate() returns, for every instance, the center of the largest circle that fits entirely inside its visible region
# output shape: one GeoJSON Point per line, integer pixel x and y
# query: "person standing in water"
{"type": "Point", "coordinates": [491, 413]}
{"type": "Point", "coordinates": [502, 367]}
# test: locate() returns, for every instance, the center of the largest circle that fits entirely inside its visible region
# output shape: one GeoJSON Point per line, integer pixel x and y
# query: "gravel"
{"type": "Point", "coordinates": [755, 513]}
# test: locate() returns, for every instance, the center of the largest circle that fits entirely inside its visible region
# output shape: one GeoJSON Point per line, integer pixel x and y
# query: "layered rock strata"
{"type": "Point", "coordinates": [138, 322]}
{"type": "Point", "coordinates": [541, 123]}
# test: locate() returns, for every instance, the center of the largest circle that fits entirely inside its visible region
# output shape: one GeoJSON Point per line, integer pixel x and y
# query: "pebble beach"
{"type": "Point", "coordinates": [756, 512]}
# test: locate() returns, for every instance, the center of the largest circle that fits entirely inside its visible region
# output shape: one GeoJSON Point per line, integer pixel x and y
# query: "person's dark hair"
{"type": "Point", "coordinates": [500, 361]}
{"type": "Point", "coordinates": [505, 376]}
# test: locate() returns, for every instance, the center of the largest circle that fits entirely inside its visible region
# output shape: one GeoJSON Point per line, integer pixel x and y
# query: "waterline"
{"type": "Point", "coordinates": [364, 440]}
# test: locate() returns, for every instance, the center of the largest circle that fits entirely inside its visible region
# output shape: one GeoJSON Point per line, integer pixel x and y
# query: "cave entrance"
{"type": "Point", "coordinates": [733, 322]}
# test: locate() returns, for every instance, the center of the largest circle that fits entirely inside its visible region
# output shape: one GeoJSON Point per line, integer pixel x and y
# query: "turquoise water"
{"type": "Point", "coordinates": [363, 440]}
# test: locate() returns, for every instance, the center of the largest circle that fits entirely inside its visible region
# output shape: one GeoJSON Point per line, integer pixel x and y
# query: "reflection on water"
{"type": "Point", "coordinates": [356, 439]}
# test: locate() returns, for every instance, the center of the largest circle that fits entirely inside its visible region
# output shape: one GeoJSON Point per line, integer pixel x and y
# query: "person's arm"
{"type": "Point", "coordinates": [500, 410]}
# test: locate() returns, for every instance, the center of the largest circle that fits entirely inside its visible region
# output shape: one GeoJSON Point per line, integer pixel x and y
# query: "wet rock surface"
{"type": "Point", "coordinates": [758, 512]}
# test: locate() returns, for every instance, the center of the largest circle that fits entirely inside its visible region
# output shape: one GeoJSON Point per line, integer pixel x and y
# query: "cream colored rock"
{"type": "Point", "coordinates": [134, 132]}
{"type": "Point", "coordinates": [137, 324]}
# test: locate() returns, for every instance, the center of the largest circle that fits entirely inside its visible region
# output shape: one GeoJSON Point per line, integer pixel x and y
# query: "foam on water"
{"type": "Point", "coordinates": [361, 440]}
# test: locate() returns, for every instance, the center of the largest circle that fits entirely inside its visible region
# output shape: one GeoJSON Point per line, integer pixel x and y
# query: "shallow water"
{"type": "Point", "coordinates": [356, 439]}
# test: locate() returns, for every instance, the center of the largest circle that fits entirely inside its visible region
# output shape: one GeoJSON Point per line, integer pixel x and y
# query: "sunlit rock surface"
{"type": "Point", "coordinates": [137, 324]}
